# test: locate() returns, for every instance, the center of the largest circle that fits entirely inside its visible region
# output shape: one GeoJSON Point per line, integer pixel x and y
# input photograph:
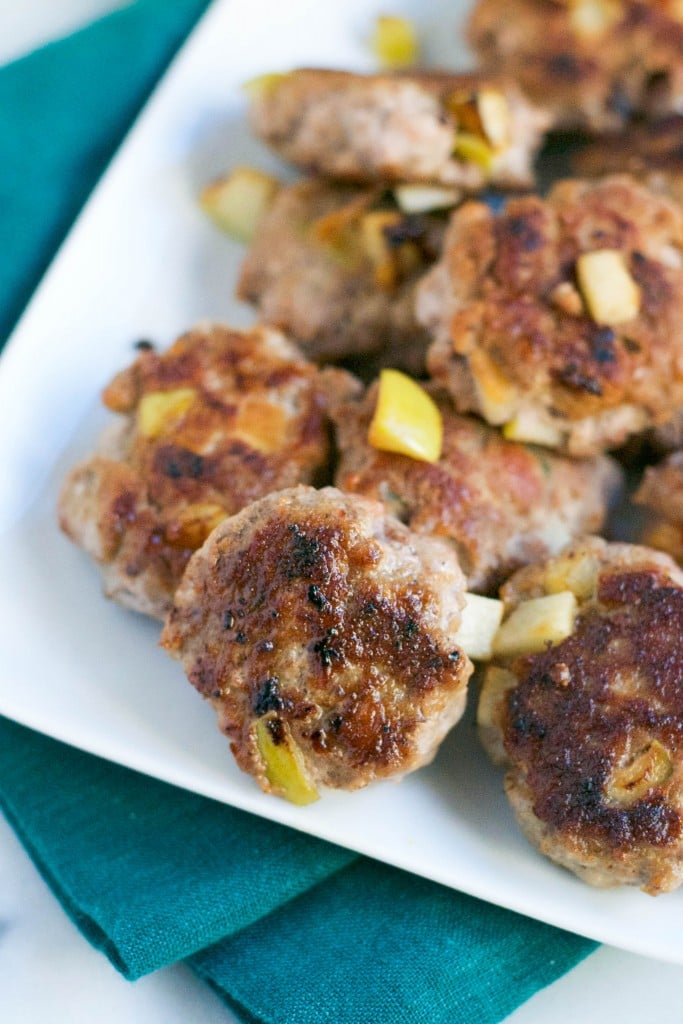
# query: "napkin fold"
{"type": "Point", "coordinates": [286, 928]}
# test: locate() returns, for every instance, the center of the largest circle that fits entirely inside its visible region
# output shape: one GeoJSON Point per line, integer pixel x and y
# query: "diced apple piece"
{"type": "Point", "coordinates": [194, 524]}
{"type": "Point", "coordinates": [237, 202]}
{"type": "Point", "coordinates": [535, 624]}
{"type": "Point", "coordinates": [611, 294]}
{"type": "Point", "coordinates": [630, 782]}
{"type": "Point", "coordinates": [592, 17]}
{"type": "Point", "coordinates": [261, 424]}
{"type": "Point", "coordinates": [497, 682]}
{"type": "Point", "coordinates": [530, 427]}
{"type": "Point", "coordinates": [498, 397]}
{"type": "Point", "coordinates": [284, 762]}
{"type": "Point", "coordinates": [395, 42]}
{"type": "Point", "coordinates": [473, 150]}
{"type": "Point", "coordinates": [263, 86]}
{"type": "Point", "coordinates": [483, 115]}
{"type": "Point", "coordinates": [160, 410]}
{"type": "Point", "coordinates": [480, 620]}
{"type": "Point", "coordinates": [406, 419]}
{"type": "Point", "coordinates": [494, 113]}
{"type": "Point", "coordinates": [425, 198]}
{"type": "Point", "coordinates": [572, 572]}
{"type": "Point", "coordinates": [376, 246]}
{"type": "Point", "coordinates": [338, 225]}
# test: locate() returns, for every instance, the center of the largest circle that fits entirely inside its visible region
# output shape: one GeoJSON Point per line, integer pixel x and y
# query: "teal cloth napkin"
{"type": "Point", "coordinates": [287, 929]}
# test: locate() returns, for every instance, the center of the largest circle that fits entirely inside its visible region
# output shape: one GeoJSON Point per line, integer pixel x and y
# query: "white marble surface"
{"type": "Point", "coordinates": [50, 975]}
{"type": "Point", "coordinates": [25, 24]}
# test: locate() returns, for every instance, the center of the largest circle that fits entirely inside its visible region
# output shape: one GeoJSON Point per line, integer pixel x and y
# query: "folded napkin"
{"type": "Point", "coordinates": [287, 929]}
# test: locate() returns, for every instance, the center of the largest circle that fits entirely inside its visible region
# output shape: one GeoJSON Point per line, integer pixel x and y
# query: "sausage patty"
{"type": "Point", "coordinates": [394, 128]}
{"type": "Point", "coordinates": [515, 338]}
{"type": "Point", "coordinates": [593, 63]}
{"type": "Point", "coordinates": [215, 422]}
{"type": "Point", "coordinates": [313, 271]}
{"type": "Point", "coordinates": [592, 728]}
{"type": "Point", "coordinates": [500, 504]}
{"type": "Point", "coordinates": [334, 623]}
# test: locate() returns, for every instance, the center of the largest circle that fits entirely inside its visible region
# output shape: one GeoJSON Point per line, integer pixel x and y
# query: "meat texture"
{"type": "Point", "coordinates": [332, 623]}
{"type": "Point", "coordinates": [591, 729]}
{"type": "Point", "coordinates": [592, 63]}
{"type": "Point", "coordinates": [661, 493]}
{"type": "Point", "coordinates": [419, 127]}
{"type": "Point", "coordinates": [336, 268]}
{"type": "Point", "coordinates": [218, 420]}
{"type": "Point", "coordinates": [500, 505]}
{"type": "Point", "coordinates": [522, 341]}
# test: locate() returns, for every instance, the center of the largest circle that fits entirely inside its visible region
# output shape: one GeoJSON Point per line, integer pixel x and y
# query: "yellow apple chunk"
{"type": "Point", "coordinates": [263, 86]}
{"type": "Point", "coordinates": [611, 294]}
{"type": "Point", "coordinates": [284, 765]}
{"type": "Point", "coordinates": [536, 624]}
{"type": "Point", "coordinates": [413, 199]}
{"type": "Point", "coordinates": [160, 410]}
{"type": "Point", "coordinates": [630, 782]}
{"type": "Point", "coordinates": [237, 202]}
{"type": "Point", "coordinates": [194, 524]}
{"type": "Point", "coordinates": [395, 42]}
{"type": "Point", "coordinates": [498, 396]}
{"type": "Point", "coordinates": [479, 623]}
{"type": "Point", "coordinates": [575, 573]}
{"type": "Point", "coordinates": [473, 150]}
{"type": "Point", "coordinates": [497, 682]}
{"type": "Point", "coordinates": [529, 427]}
{"type": "Point", "coordinates": [406, 419]}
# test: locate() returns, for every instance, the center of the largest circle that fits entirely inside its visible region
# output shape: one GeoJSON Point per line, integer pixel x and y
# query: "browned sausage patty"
{"type": "Point", "coordinates": [215, 422]}
{"type": "Point", "coordinates": [652, 152]}
{"type": "Point", "coordinates": [592, 728]}
{"type": "Point", "coordinates": [593, 64]}
{"type": "Point", "coordinates": [515, 339]}
{"type": "Point", "coordinates": [394, 128]}
{"type": "Point", "coordinates": [335, 623]}
{"type": "Point", "coordinates": [336, 268]}
{"type": "Point", "coordinates": [500, 504]}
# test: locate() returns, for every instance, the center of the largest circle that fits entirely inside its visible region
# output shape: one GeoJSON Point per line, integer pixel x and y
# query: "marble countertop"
{"type": "Point", "coordinates": [48, 972]}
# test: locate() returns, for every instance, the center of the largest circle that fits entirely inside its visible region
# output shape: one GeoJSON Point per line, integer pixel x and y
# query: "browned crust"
{"type": "Point", "coordinates": [258, 422]}
{"type": "Point", "coordinates": [388, 128]}
{"type": "Point", "coordinates": [315, 607]}
{"type": "Point", "coordinates": [494, 290]}
{"type": "Point", "coordinates": [324, 294]}
{"type": "Point", "coordinates": [500, 504]}
{"type": "Point", "coordinates": [596, 79]}
{"type": "Point", "coordinates": [583, 707]}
